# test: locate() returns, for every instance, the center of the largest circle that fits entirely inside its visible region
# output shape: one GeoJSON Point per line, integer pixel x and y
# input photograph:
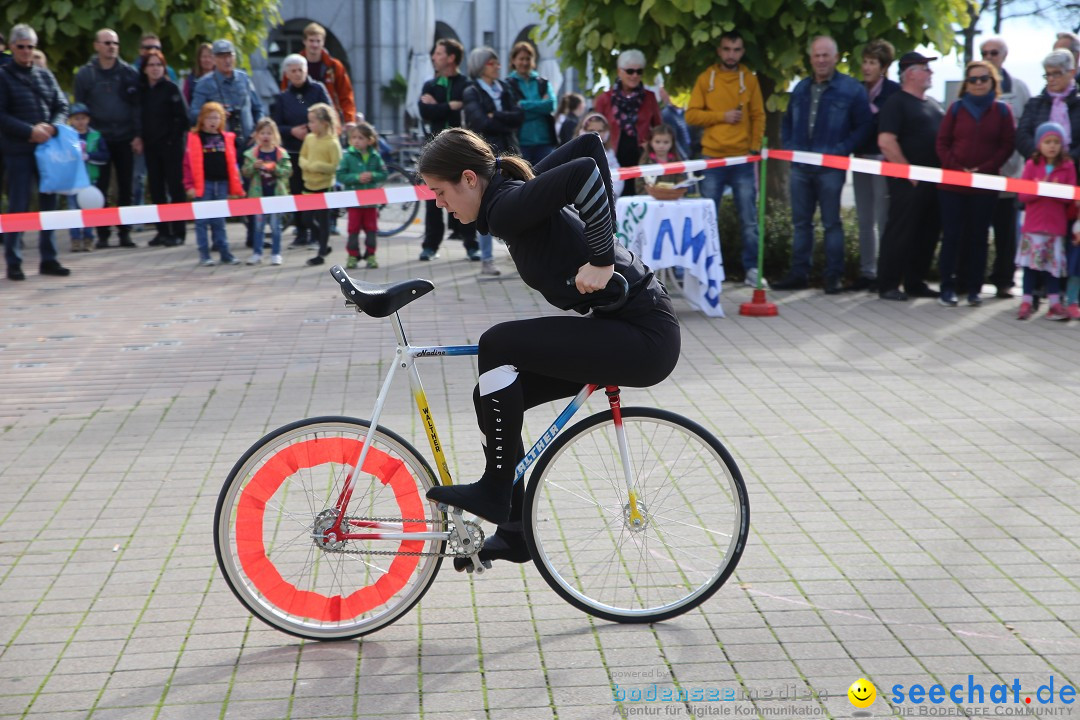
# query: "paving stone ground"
{"type": "Point", "coordinates": [912, 474]}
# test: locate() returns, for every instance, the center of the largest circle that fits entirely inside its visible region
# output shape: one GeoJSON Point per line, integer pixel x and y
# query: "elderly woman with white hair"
{"type": "Point", "coordinates": [631, 110]}
{"type": "Point", "coordinates": [290, 111]}
{"type": "Point", "coordinates": [1058, 102]}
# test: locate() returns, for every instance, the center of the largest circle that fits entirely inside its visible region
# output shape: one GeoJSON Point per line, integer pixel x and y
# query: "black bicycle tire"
{"type": "Point", "coordinates": [390, 170]}
{"type": "Point", "coordinates": [629, 413]}
{"type": "Point", "coordinates": [239, 465]}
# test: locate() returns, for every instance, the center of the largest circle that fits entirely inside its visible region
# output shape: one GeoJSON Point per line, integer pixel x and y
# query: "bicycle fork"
{"type": "Point", "coordinates": [634, 516]}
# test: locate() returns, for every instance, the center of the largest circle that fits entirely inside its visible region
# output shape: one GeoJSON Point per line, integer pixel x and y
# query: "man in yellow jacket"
{"type": "Point", "coordinates": [726, 101]}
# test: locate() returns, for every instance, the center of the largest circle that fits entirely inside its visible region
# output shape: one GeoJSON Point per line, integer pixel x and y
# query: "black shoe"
{"type": "Point", "coordinates": [923, 291]}
{"type": "Point", "coordinates": [791, 282]}
{"type": "Point", "coordinates": [488, 497]}
{"type": "Point", "coordinates": [863, 283]}
{"type": "Point", "coordinates": [159, 240]}
{"type": "Point", "coordinates": [1004, 293]}
{"type": "Point", "coordinates": [101, 244]}
{"type": "Point", "coordinates": [168, 241]}
{"type": "Point", "coordinates": [52, 267]}
{"type": "Point", "coordinates": [125, 242]}
{"type": "Point", "coordinates": [893, 294]}
{"type": "Point", "coordinates": [323, 252]}
{"type": "Point", "coordinates": [948, 299]}
{"type": "Point", "coordinates": [974, 300]}
{"type": "Point", "coordinates": [474, 255]}
{"type": "Point", "coordinates": [317, 260]}
{"type": "Point", "coordinates": [15, 273]}
{"type": "Point", "coordinates": [832, 286]}
{"type": "Point", "coordinates": [505, 544]}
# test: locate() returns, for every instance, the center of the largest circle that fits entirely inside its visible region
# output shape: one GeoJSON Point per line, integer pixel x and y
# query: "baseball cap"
{"type": "Point", "coordinates": [223, 47]}
{"type": "Point", "coordinates": [913, 58]}
{"type": "Point", "coordinates": [78, 109]}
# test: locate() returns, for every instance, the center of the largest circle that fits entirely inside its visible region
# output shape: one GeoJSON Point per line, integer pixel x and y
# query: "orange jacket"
{"type": "Point", "coordinates": [338, 86]}
{"type": "Point", "coordinates": [195, 179]}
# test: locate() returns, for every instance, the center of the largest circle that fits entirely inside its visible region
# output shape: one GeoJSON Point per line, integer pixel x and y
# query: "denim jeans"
{"type": "Point", "coordinates": [79, 233]}
{"type": "Point", "coordinates": [214, 190]}
{"type": "Point", "coordinates": [740, 178]}
{"type": "Point", "coordinates": [259, 222]}
{"type": "Point", "coordinates": [810, 187]}
{"type": "Point", "coordinates": [22, 175]}
{"type": "Point", "coordinates": [486, 250]}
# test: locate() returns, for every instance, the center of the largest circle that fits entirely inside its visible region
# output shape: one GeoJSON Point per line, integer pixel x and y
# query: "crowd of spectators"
{"type": "Point", "coordinates": [136, 120]}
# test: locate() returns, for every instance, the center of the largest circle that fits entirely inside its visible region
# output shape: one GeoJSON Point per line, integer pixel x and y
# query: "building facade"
{"type": "Point", "coordinates": [379, 40]}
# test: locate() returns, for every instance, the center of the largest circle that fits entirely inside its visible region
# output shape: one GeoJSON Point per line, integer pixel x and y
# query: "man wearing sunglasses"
{"type": "Point", "coordinates": [1015, 94]}
{"type": "Point", "coordinates": [31, 106]}
{"type": "Point", "coordinates": [109, 87]}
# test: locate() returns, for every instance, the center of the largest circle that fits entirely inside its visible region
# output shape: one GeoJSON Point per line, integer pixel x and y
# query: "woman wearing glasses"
{"type": "Point", "coordinates": [976, 135]}
{"type": "Point", "coordinates": [631, 110]}
{"type": "Point", "coordinates": [1058, 102]}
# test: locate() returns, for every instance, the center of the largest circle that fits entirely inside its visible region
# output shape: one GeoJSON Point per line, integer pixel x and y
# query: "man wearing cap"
{"type": "Point", "coordinates": [31, 106]}
{"type": "Point", "coordinates": [109, 87]}
{"type": "Point", "coordinates": [907, 134]}
{"type": "Point", "coordinates": [1015, 94]}
{"type": "Point", "coordinates": [233, 89]}
{"type": "Point", "coordinates": [841, 127]}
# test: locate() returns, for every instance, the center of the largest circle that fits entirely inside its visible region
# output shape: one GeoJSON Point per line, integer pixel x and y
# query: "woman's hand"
{"type": "Point", "coordinates": [591, 278]}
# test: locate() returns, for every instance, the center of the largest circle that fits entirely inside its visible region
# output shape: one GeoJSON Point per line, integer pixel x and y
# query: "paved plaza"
{"type": "Point", "coordinates": [913, 476]}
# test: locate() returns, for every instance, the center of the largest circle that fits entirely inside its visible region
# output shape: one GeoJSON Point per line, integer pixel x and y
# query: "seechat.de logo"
{"type": "Point", "coordinates": [974, 693]}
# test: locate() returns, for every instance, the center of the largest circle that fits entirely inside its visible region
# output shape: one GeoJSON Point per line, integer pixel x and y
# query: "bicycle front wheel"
{"type": "Point", "coordinates": [278, 502]}
{"type": "Point", "coordinates": [659, 558]}
{"type": "Point", "coordinates": [396, 217]}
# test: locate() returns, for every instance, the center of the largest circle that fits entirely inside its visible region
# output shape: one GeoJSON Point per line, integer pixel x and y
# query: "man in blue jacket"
{"type": "Point", "coordinates": [31, 106]}
{"type": "Point", "coordinates": [829, 112]}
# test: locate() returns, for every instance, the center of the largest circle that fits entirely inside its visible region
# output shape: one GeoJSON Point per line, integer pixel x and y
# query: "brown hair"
{"type": "Point", "coordinates": [146, 59]}
{"type": "Point", "coordinates": [367, 130]}
{"type": "Point", "coordinates": [314, 29]}
{"type": "Point", "coordinates": [523, 46]}
{"type": "Point", "coordinates": [452, 48]}
{"type": "Point", "coordinates": [455, 150]}
{"type": "Point", "coordinates": [882, 51]}
{"type": "Point", "coordinates": [197, 71]}
{"type": "Point", "coordinates": [995, 79]}
{"type": "Point", "coordinates": [206, 109]}
{"type": "Point", "coordinates": [267, 123]}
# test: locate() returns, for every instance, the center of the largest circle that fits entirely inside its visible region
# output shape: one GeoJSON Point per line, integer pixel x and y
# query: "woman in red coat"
{"type": "Point", "coordinates": [976, 135]}
{"type": "Point", "coordinates": [631, 111]}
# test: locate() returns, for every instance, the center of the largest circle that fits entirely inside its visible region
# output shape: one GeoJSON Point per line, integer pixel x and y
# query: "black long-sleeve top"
{"type": "Point", "coordinates": [438, 114]}
{"type": "Point", "coordinates": [164, 113]}
{"type": "Point", "coordinates": [561, 219]}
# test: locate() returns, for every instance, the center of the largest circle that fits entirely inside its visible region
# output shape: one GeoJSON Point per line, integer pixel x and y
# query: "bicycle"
{"type": "Point", "coordinates": [397, 217]}
{"type": "Point", "coordinates": [633, 514]}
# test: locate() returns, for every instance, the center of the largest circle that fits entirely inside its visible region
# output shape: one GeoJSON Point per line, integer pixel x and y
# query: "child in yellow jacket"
{"type": "Point", "coordinates": [320, 156]}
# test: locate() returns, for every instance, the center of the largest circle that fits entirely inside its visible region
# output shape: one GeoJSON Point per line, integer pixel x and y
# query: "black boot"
{"type": "Point", "coordinates": [490, 496]}
{"type": "Point", "coordinates": [508, 542]}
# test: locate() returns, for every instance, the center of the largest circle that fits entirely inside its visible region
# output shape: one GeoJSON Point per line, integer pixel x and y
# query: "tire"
{"type": "Point", "coordinates": [395, 217]}
{"type": "Point", "coordinates": [692, 499]}
{"type": "Point", "coordinates": [273, 498]}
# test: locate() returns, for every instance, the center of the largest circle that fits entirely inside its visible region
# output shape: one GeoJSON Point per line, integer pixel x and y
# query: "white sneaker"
{"type": "Point", "coordinates": [275, 259]}
{"type": "Point", "coordinates": [208, 262]}
{"type": "Point", "coordinates": [752, 278]}
{"type": "Point", "coordinates": [488, 268]}
{"type": "Point", "coordinates": [254, 260]}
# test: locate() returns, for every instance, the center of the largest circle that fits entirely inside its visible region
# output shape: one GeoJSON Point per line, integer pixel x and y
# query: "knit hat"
{"type": "Point", "coordinates": [1049, 128]}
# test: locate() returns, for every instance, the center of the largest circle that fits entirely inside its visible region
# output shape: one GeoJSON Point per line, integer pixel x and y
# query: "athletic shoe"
{"type": "Point", "coordinates": [372, 263]}
{"type": "Point", "coordinates": [752, 278]}
{"type": "Point", "coordinates": [230, 261]}
{"type": "Point", "coordinates": [1057, 312]}
{"type": "Point", "coordinates": [317, 260]}
{"type": "Point", "coordinates": [254, 260]}
{"type": "Point", "coordinates": [208, 262]}
{"type": "Point", "coordinates": [275, 259]}
{"type": "Point", "coordinates": [427, 255]}
{"type": "Point", "coordinates": [488, 268]}
{"type": "Point", "coordinates": [474, 255]}
{"type": "Point", "coordinates": [1025, 311]}
{"type": "Point", "coordinates": [1074, 311]}
{"type": "Point", "coordinates": [974, 300]}
{"type": "Point", "coordinates": [948, 299]}
{"type": "Point", "coordinates": [352, 262]}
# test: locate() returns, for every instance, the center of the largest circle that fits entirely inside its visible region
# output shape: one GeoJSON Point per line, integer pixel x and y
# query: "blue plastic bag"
{"type": "Point", "coordinates": [60, 163]}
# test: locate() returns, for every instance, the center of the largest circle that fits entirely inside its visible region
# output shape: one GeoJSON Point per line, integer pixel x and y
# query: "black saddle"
{"type": "Point", "coordinates": [380, 300]}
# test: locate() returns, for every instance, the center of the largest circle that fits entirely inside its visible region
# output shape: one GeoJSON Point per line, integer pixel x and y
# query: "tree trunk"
{"type": "Point", "coordinates": [970, 31]}
{"type": "Point", "coordinates": [776, 190]}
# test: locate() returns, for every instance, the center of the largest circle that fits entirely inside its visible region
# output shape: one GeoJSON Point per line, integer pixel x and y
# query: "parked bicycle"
{"type": "Point", "coordinates": [633, 514]}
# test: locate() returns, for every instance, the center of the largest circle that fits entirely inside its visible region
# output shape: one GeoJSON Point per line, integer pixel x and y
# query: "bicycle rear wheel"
{"type": "Point", "coordinates": [396, 217]}
{"type": "Point", "coordinates": [281, 494]}
{"type": "Point", "coordinates": [692, 504]}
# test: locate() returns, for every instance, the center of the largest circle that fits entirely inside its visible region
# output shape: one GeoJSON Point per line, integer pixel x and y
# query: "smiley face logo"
{"type": "Point", "coordinates": [862, 693]}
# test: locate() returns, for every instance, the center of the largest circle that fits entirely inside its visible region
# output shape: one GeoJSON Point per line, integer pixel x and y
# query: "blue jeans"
{"type": "Point", "coordinates": [259, 222]}
{"type": "Point", "coordinates": [22, 175]}
{"type": "Point", "coordinates": [486, 251]}
{"type": "Point", "coordinates": [79, 233]}
{"type": "Point", "coordinates": [740, 178]}
{"type": "Point", "coordinates": [214, 190]}
{"type": "Point", "coordinates": [536, 153]}
{"type": "Point", "coordinates": [816, 187]}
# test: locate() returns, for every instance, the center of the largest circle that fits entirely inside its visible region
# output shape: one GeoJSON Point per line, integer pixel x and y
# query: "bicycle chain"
{"type": "Point", "coordinates": [450, 540]}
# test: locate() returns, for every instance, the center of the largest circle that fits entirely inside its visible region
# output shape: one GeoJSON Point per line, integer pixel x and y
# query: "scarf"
{"type": "Point", "coordinates": [874, 92]}
{"type": "Point", "coordinates": [495, 90]}
{"type": "Point", "coordinates": [627, 107]}
{"type": "Point", "coordinates": [1059, 110]}
{"type": "Point", "coordinates": [976, 104]}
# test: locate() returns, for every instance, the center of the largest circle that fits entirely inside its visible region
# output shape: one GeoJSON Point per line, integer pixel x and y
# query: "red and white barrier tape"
{"type": "Point", "coordinates": [149, 214]}
{"type": "Point", "coordinates": [957, 178]}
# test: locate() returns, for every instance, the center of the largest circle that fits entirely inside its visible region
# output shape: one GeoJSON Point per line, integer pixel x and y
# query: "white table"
{"type": "Point", "coordinates": [676, 233]}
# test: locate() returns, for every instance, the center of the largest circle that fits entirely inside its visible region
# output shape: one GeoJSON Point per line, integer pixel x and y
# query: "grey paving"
{"type": "Point", "coordinates": [912, 471]}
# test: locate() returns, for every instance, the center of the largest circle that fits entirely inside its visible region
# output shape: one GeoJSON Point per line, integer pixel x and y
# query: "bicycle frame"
{"type": "Point", "coordinates": [405, 356]}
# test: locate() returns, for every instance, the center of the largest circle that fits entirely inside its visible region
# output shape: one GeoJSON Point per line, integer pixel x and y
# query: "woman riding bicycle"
{"type": "Point", "coordinates": [557, 220]}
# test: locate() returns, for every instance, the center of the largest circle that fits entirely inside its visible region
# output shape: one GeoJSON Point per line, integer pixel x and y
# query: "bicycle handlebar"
{"type": "Point", "coordinates": [624, 292]}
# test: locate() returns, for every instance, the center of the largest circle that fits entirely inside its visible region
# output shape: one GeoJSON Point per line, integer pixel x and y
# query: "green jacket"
{"type": "Point", "coordinates": [97, 153]}
{"type": "Point", "coordinates": [353, 164]}
{"type": "Point", "coordinates": [282, 172]}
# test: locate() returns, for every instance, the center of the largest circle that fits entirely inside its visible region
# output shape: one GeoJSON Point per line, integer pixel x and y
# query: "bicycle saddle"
{"type": "Point", "coordinates": [380, 300]}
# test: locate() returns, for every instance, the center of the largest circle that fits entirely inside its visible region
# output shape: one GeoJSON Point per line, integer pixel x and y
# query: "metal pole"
{"type": "Point", "coordinates": [761, 214]}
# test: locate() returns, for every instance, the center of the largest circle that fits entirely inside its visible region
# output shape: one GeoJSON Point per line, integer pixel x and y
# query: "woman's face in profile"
{"type": "Point", "coordinates": [461, 198]}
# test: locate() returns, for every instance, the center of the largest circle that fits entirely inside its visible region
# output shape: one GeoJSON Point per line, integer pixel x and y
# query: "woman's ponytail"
{"type": "Point", "coordinates": [455, 150]}
{"type": "Point", "coordinates": [515, 167]}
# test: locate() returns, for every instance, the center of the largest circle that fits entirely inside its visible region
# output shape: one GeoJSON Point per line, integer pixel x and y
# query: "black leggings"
{"type": "Point", "coordinates": [556, 356]}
